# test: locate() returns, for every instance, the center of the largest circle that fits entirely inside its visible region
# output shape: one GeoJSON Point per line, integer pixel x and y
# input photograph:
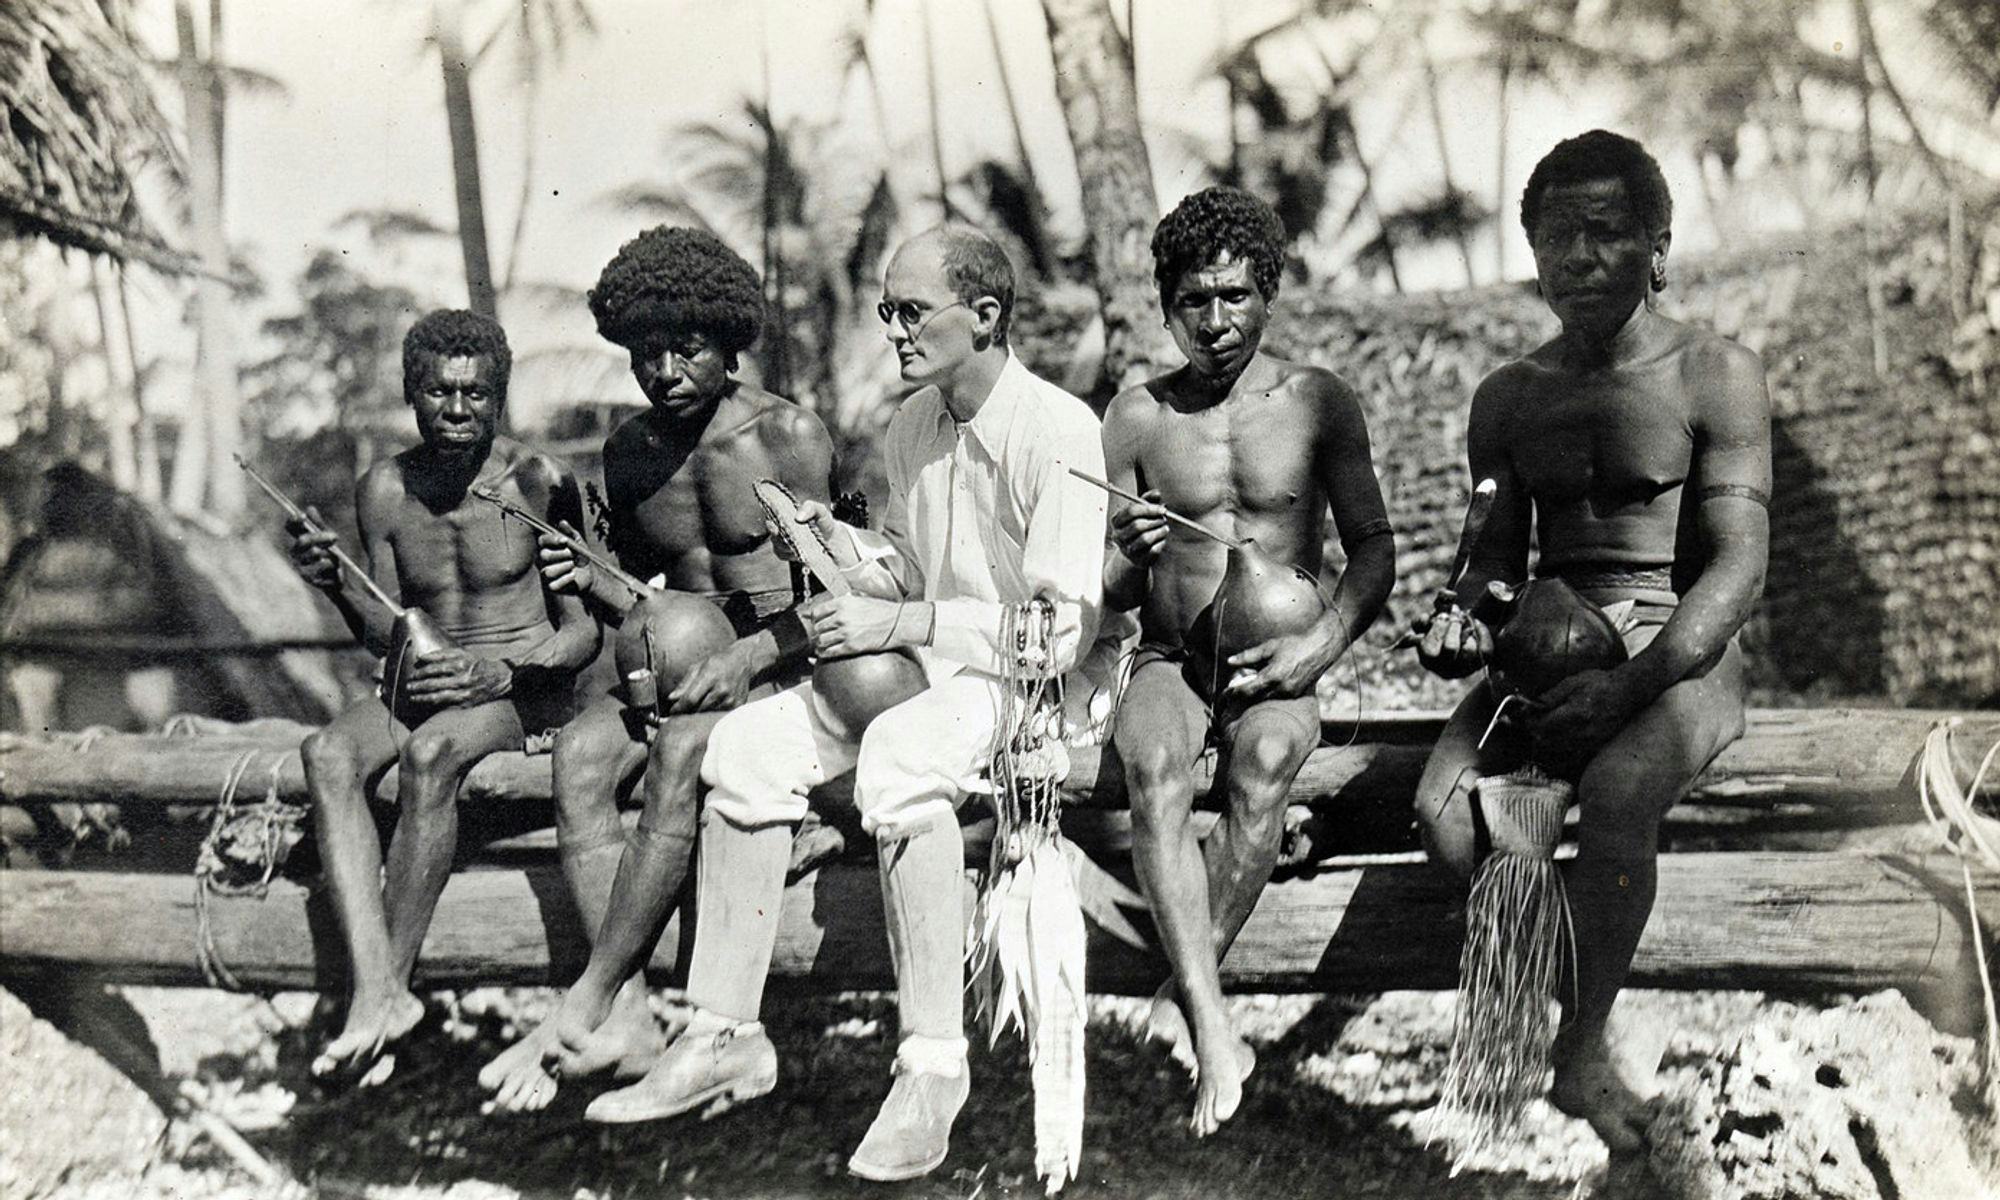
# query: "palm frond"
{"type": "Point", "coordinates": [80, 121]}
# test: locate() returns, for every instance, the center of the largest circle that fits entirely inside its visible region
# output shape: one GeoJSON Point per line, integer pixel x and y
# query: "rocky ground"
{"type": "Point", "coordinates": [1767, 1099]}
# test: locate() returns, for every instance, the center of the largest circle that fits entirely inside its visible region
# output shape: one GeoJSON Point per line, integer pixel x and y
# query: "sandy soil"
{"type": "Point", "coordinates": [1337, 1108]}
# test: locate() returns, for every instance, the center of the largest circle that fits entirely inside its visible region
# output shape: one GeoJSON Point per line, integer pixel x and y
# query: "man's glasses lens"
{"type": "Point", "coordinates": [907, 312]}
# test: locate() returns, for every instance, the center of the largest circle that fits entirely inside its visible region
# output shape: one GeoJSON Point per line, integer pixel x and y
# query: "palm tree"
{"type": "Point", "coordinates": [448, 33]}
{"type": "Point", "coordinates": [1093, 66]}
{"type": "Point", "coordinates": [212, 430]}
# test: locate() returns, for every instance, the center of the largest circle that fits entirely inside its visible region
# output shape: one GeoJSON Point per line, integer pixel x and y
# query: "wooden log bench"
{"type": "Point", "coordinates": [1361, 912]}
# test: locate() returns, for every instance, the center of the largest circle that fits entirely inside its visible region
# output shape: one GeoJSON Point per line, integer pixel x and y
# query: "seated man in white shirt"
{"type": "Point", "coordinates": [982, 515]}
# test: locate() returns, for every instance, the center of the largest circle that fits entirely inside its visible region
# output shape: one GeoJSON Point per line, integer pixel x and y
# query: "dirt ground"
{"type": "Point", "coordinates": [1337, 1107]}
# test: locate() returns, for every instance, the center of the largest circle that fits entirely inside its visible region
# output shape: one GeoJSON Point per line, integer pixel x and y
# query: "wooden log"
{"type": "Point", "coordinates": [1857, 759]}
{"type": "Point", "coordinates": [1740, 920]}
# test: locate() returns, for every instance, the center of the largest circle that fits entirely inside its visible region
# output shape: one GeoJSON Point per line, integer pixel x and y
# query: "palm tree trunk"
{"type": "Point", "coordinates": [1444, 162]}
{"type": "Point", "coordinates": [1878, 335]}
{"type": "Point", "coordinates": [1235, 160]}
{"type": "Point", "coordinates": [1093, 67]}
{"type": "Point", "coordinates": [145, 434]}
{"type": "Point", "coordinates": [1501, 228]}
{"type": "Point", "coordinates": [118, 447]}
{"type": "Point", "coordinates": [211, 430]}
{"type": "Point", "coordinates": [937, 123]}
{"type": "Point", "coordinates": [448, 30]}
{"type": "Point", "coordinates": [1035, 211]}
{"type": "Point", "coordinates": [778, 336]}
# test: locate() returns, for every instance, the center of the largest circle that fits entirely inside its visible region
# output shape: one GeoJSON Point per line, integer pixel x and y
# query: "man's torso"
{"type": "Point", "coordinates": [683, 505]}
{"type": "Point", "coordinates": [1605, 456]}
{"type": "Point", "coordinates": [460, 559]}
{"type": "Point", "coordinates": [1244, 467]}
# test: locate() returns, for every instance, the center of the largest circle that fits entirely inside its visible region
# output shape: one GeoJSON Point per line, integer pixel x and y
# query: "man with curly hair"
{"type": "Point", "coordinates": [682, 513]}
{"type": "Point", "coordinates": [510, 671]}
{"type": "Point", "coordinates": [1635, 451]}
{"type": "Point", "coordinates": [1253, 447]}
{"type": "Point", "coordinates": [982, 517]}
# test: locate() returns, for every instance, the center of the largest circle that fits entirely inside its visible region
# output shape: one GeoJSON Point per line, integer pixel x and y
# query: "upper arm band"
{"type": "Point", "coordinates": [1742, 490]}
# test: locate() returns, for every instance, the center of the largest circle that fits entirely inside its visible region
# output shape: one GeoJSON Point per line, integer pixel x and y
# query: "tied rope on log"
{"type": "Point", "coordinates": [1968, 833]}
{"type": "Point", "coordinates": [1026, 949]}
{"type": "Point", "coordinates": [244, 847]}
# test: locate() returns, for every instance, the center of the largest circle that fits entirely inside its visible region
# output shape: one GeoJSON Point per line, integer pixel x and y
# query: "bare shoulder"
{"type": "Point", "coordinates": [783, 425]}
{"type": "Point", "coordinates": [1506, 385]}
{"type": "Point", "coordinates": [1719, 369]}
{"type": "Point", "coordinates": [1320, 389]}
{"type": "Point", "coordinates": [535, 472]}
{"type": "Point", "coordinates": [1136, 407]}
{"type": "Point", "coordinates": [626, 439]}
{"type": "Point", "coordinates": [381, 485]}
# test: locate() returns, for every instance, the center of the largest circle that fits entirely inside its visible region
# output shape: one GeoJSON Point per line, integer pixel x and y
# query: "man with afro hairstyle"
{"type": "Point", "coordinates": [1256, 448]}
{"type": "Point", "coordinates": [510, 671]}
{"type": "Point", "coordinates": [1635, 452]}
{"type": "Point", "coordinates": [683, 514]}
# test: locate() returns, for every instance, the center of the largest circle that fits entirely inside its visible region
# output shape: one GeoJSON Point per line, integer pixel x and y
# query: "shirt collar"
{"type": "Point", "coordinates": [995, 418]}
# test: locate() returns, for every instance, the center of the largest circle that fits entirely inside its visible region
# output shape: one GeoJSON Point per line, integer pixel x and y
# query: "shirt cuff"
{"type": "Point", "coordinates": [875, 574]}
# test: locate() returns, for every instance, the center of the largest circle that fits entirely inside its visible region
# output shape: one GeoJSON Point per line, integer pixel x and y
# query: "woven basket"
{"type": "Point", "coordinates": [1524, 811]}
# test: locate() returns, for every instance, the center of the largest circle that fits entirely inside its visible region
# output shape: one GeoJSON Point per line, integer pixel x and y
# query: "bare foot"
{"type": "Point", "coordinates": [516, 1077]}
{"type": "Point", "coordinates": [1225, 1062]}
{"type": "Point", "coordinates": [623, 1039]}
{"type": "Point", "coordinates": [1167, 1025]}
{"type": "Point", "coordinates": [1589, 1086]}
{"type": "Point", "coordinates": [371, 1028]}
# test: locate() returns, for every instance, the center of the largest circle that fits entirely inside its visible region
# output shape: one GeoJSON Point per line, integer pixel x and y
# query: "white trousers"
{"type": "Point", "coordinates": [914, 765]}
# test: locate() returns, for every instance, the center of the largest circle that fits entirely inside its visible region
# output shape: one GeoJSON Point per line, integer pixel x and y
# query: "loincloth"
{"type": "Point", "coordinates": [543, 703]}
{"type": "Point", "coordinates": [751, 612]}
{"type": "Point", "coordinates": [1224, 712]}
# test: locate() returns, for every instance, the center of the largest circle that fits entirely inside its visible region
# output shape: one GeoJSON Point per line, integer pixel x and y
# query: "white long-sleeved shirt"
{"type": "Point", "coordinates": [985, 513]}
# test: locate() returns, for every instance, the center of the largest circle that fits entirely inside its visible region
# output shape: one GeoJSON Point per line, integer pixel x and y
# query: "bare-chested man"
{"type": "Point", "coordinates": [683, 512]}
{"type": "Point", "coordinates": [1253, 447]}
{"type": "Point", "coordinates": [1639, 449]}
{"type": "Point", "coordinates": [511, 672]}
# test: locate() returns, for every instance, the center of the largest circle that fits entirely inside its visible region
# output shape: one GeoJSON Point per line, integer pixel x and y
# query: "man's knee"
{"type": "Point", "coordinates": [587, 749]}
{"type": "Point", "coordinates": [1446, 826]}
{"type": "Point", "coordinates": [1619, 807]}
{"type": "Point", "coordinates": [329, 756]}
{"type": "Point", "coordinates": [673, 777]}
{"type": "Point", "coordinates": [432, 763]}
{"type": "Point", "coordinates": [1262, 763]}
{"type": "Point", "coordinates": [1160, 783]}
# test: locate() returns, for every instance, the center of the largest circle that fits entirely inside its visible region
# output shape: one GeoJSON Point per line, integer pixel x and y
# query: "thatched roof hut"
{"type": "Point", "coordinates": [77, 123]}
{"type": "Point", "coordinates": [114, 612]}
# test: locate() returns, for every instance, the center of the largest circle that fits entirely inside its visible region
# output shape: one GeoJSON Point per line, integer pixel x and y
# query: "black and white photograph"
{"type": "Point", "coordinates": [981, 599]}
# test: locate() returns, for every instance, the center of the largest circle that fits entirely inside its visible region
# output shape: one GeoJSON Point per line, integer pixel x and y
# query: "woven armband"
{"type": "Point", "coordinates": [1741, 490]}
{"type": "Point", "coordinates": [1361, 533]}
{"type": "Point", "coordinates": [790, 634]}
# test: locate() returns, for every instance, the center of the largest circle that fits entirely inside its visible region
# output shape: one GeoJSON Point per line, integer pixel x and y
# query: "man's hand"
{"type": "Point", "coordinates": [1454, 643]}
{"type": "Point", "coordinates": [312, 552]}
{"type": "Point", "coordinates": [716, 683]}
{"type": "Point", "coordinates": [853, 624]}
{"type": "Point", "coordinates": [1140, 530]}
{"type": "Point", "coordinates": [1573, 720]}
{"type": "Point", "coordinates": [1282, 668]}
{"type": "Point", "coordinates": [454, 679]}
{"type": "Point", "coordinates": [562, 570]}
{"type": "Point", "coordinates": [820, 519]}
